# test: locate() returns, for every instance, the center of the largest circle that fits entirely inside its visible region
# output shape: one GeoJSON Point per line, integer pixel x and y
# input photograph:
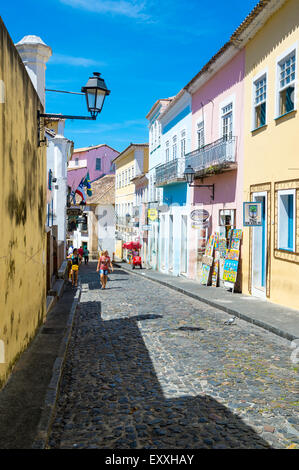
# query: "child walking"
{"type": "Point", "coordinates": [75, 267]}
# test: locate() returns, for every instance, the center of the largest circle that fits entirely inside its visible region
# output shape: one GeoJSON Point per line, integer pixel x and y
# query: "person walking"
{"type": "Point", "coordinates": [104, 264]}
{"type": "Point", "coordinates": [86, 255]}
{"type": "Point", "coordinates": [80, 251]}
{"type": "Point", "coordinates": [75, 266]}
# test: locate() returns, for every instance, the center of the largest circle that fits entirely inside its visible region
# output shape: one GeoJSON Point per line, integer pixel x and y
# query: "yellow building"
{"type": "Point", "coordinates": [270, 267]}
{"type": "Point", "coordinates": [132, 162]}
{"type": "Point", "coordinates": [22, 208]}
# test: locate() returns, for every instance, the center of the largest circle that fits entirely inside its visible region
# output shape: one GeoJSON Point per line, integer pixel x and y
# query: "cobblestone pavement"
{"type": "Point", "coordinates": [148, 367]}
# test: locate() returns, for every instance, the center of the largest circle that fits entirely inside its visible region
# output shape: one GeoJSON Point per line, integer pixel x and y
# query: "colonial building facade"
{"type": "Point", "coordinates": [271, 173]}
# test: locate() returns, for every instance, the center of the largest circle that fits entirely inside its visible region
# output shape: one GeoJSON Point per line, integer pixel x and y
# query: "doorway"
{"type": "Point", "coordinates": [259, 250]}
{"type": "Point", "coordinates": [184, 245]}
{"type": "Point", "coordinates": [170, 253]}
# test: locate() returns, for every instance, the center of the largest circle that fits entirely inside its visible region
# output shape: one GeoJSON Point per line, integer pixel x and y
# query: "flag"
{"type": "Point", "coordinates": [81, 192]}
{"type": "Point", "coordinates": [87, 184]}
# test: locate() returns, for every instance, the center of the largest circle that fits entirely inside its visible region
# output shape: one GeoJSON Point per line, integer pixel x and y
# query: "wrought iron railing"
{"type": "Point", "coordinates": [170, 171]}
{"type": "Point", "coordinates": [211, 155]}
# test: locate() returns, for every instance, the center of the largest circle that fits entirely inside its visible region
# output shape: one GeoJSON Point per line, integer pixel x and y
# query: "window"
{"type": "Point", "coordinates": [286, 214]}
{"type": "Point", "coordinates": [287, 73]}
{"type": "Point", "coordinates": [174, 147]}
{"type": "Point", "coordinates": [98, 164]}
{"type": "Point", "coordinates": [129, 174]}
{"type": "Point", "coordinates": [200, 134]}
{"type": "Point", "coordinates": [227, 121]}
{"type": "Point", "coordinates": [122, 179]}
{"type": "Point", "coordinates": [151, 136]}
{"type": "Point", "coordinates": [133, 171]}
{"type": "Point", "coordinates": [183, 143]}
{"type": "Point", "coordinates": [77, 161]}
{"type": "Point", "coordinates": [167, 151]}
{"type": "Point", "coordinates": [260, 87]}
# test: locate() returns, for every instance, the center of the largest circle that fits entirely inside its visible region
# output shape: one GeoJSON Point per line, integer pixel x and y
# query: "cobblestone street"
{"type": "Point", "coordinates": [148, 367]}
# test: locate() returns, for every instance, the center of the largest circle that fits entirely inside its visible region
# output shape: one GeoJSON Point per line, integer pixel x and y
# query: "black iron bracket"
{"type": "Point", "coordinates": [40, 124]}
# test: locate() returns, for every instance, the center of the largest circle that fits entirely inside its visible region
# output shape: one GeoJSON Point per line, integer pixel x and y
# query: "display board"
{"type": "Point", "coordinates": [231, 264]}
{"type": "Point", "coordinates": [208, 257]}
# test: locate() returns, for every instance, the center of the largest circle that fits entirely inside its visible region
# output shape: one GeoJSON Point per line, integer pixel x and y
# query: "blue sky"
{"type": "Point", "coordinates": [145, 50]}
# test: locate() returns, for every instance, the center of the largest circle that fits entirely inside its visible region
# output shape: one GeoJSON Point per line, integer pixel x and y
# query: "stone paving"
{"type": "Point", "coordinates": [151, 368]}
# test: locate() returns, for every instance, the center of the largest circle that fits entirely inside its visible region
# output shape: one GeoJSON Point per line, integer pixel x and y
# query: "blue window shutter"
{"type": "Point", "coordinates": [263, 114]}
{"type": "Point", "coordinates": [290, 221]}
{"type": "Point", "coordinates": [289, 102]}
{"type": "Point", "coordinates": [98, 164]}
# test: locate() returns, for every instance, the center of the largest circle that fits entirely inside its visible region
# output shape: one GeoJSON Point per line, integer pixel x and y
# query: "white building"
{"type": "Point", "coordinates": [59, 152]}
{"type": "Point", "coordinates": [155, 195]}
{"type": "Point", "coordinates": [174, 217]}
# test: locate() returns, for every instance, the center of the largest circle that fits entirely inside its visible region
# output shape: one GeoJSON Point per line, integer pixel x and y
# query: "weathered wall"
{"type": "Point", "coordinates": [22, 208]}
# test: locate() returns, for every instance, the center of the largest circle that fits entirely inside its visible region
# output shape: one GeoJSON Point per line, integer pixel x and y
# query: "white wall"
{"type": "Point", "coordinates": [106, 228]}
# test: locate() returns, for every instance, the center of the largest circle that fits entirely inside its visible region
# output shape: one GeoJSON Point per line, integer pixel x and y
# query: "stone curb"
{"type": "Point", "coordinates": [47, 416]}
{"type": "Point", "coordinates": [231, 311]}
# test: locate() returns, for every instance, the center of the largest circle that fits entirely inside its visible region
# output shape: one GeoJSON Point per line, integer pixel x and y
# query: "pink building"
{"type": "Point", "coordinates": [217, 140]}
{"type": "Point", "coordinates": [96, 159]}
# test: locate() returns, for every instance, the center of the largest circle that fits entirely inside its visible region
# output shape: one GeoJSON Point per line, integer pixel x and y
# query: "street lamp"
{"type": "Point", "coordinates": [95, 92]}
{"type": "Point", "coordinates": [189, 175]}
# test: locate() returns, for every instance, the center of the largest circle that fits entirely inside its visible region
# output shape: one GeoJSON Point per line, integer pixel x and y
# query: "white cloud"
{"type": "Point", "coordinates": [130, 8]}
{"type": "Point", "coordinates": [74, 61]}
{"type": "Point", "coordinates": [114, 126]}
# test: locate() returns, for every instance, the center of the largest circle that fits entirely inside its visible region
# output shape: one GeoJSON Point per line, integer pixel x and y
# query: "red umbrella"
{"type": "Point", "coordinates": [136, 245]}
{"type": "Point", "coordinates": [127, 246]}
{"type": "Point", "coordinates": [132, 246]}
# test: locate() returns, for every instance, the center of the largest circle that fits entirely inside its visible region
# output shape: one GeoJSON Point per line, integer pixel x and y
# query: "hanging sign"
{"type": "Point", "coordinates": [152, 214]}
{"type": "Point", "coordinates": [200, 218]}
{"type": "Point", "coordinates": [252, 214]}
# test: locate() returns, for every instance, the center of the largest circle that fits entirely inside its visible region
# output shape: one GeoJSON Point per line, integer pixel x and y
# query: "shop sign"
{"type": "Point", "coordinates": [252, 214]}
{"type": "Point", "coordinates": [200, 218]}
{"type": "Point", "coordinates": [152, 214]}
{"type": "Point", "coordinates": [74, 211]}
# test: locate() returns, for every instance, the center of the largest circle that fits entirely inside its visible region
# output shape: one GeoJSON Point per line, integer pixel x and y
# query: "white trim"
{"type": "Point", "coordinates": [286, 192]}
{"type": "Point", "coordinates": [228, 100]}
{"type": "Point", "coordinates": [257, 77]}
{"type": "Point", "coordinates": [261, 293]}
{"type": "Point", "coordinates": [279, 59]}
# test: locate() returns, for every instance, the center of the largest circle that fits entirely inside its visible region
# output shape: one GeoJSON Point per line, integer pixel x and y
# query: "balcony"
{"type": "Point", "coordinates": [170, 172]}
{"type": "Point", "coordinates": [217, 157]}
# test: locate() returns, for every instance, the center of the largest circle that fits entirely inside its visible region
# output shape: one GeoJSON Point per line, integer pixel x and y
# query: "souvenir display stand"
{"type": "Point", "coordinates": [221, 260]}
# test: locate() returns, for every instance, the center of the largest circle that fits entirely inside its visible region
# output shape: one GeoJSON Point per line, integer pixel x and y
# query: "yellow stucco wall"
{"type": "Point", "coordinates": [22, 208]}
{"type": "Point", "coordinates": [272, 151]}
{"type": "Point", "coordinates": [126, 193]}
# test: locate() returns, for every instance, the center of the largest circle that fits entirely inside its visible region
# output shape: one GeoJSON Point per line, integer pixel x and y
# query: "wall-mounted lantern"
{"type": "Point", "coordinates": [189, 175]}
{"type": "Point", "coordinates": [95, 92]}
